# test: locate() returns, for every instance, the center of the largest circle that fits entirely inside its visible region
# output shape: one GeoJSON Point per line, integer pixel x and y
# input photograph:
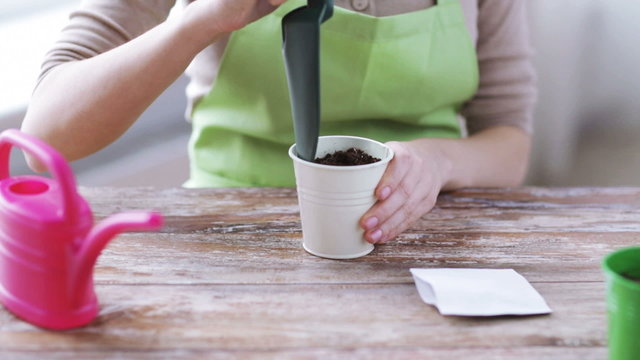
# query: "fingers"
{"type": "Point", "coordinates": [399, 201]}
{"type": "Point", "coordinates": [396, 171]}
{"type": "Point", "coordinates": [277, 2]}
{"type": "Point", "coordinates": [402, 219]}
{"type": "Point", "coordinates": [406, 191]}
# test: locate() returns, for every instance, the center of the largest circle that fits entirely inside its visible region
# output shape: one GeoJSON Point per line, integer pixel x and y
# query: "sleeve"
{"type": "Point", "coordinates": [101, 25]}
{"type": "Point", "coordinates": [507, 90]}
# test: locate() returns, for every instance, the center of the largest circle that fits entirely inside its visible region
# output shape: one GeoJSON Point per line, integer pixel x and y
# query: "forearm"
{"type": "Point", "coordinates": [82, 106]}
{"type": "Point", "coordinates": [495, 157]}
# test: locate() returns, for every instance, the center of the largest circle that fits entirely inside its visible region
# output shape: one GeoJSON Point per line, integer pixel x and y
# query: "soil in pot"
{"type": "Point", "coordinates": [349, 157]}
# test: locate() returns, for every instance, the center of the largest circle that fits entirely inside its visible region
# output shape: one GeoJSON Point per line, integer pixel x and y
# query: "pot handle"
{"type": "Point", "coordinates": [48, 156]}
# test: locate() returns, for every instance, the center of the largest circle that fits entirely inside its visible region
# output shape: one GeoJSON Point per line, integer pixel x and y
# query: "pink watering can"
{"type": "Point", "coordinates": [48, 243]}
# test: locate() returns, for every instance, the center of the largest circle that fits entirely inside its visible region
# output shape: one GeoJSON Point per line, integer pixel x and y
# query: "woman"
{"type": "Point", "coordinates": [397, 71]}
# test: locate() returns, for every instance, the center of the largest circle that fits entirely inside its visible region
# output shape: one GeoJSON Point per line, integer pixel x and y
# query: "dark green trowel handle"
{"type": "Point", "coordinates": [301, 49]}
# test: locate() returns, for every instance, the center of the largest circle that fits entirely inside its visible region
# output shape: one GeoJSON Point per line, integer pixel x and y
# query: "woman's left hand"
{"type": "Point", "coordinates": [408, 189]}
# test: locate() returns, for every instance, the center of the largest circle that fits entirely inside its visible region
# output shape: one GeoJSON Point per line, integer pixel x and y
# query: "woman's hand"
{"type": "Point", "coordinates": [209, 18]}
{"type": "Point", "coordinates": [494, 157]}
{"type": "Point", "coordinates": [408, 189]}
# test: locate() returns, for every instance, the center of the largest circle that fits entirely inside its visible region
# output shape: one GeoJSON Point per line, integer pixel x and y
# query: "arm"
{"type": "Point", "coordinates": [495, 157]}
{"type": "Point", "coordinates": [82, 106]}
{"type": "Point", "coordinates": [498, 118]}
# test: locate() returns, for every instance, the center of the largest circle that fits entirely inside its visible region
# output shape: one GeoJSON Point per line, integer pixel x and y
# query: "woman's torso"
{"type": "Point", "coordinates": [204, 68]}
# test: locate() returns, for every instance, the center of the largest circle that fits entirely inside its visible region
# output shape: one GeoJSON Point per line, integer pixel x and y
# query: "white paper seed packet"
{"type": "Point", "coordinates": [478, 292]}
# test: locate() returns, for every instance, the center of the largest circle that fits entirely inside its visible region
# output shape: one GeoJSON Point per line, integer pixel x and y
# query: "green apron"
{"type": "Point", "coordinates": [400, 78]}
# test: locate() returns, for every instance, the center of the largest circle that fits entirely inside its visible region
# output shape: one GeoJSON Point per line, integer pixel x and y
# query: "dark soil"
{"type": "Point", "coordinates": [349, 157]}
{"type": "Point", "coordinates": [631, 277]}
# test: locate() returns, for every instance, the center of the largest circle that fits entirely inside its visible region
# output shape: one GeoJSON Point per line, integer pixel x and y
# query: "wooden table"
{"type": "Point", "coordinates": [227, 277]}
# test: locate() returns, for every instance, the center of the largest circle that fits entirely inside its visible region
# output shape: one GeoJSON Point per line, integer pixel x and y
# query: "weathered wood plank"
{"type": "Point", "coordinates": [279, 258]}
{"type": "Point", "coordinates": [275, 209]}
{"type": "Point", "coordinates": [399, 353]}
{"type": "Point", "coordinates": [581, 196]}
{"type": "Point", "coordinates": [265, 318]}
{"type": "Point", "coordinates": [233, 235]}
{"type": "Point", "coordinates": [178, 200]}
{"type": "Point", "coordinates": [227, 277]}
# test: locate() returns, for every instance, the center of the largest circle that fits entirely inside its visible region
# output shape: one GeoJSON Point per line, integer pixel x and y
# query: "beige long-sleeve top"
{"type": "Point", "coordinates": [506, 92]}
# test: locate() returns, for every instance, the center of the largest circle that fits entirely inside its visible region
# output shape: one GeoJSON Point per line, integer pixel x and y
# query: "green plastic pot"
{"type": "Point", "coordinates": [623, 303]}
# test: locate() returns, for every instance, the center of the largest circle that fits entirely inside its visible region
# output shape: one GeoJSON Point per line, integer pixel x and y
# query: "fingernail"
{"type": "Point", "coordinates": [376, 235]}
{"type": "Point", "coordinates": [370, 223]}
{"type": "Point", "coordinates": [385, 192]}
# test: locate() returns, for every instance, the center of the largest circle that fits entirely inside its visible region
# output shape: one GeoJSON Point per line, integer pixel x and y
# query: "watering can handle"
{"type": "Point", "coordinates": [48, 156]}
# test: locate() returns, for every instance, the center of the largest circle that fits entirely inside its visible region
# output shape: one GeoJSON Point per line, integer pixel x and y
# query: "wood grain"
{"type": "Point", "coordinates": [266, 318]}
{"type": "Point", "coordinates": [482, 353]}
{"type": "Point", "coordinates": [227, 277]}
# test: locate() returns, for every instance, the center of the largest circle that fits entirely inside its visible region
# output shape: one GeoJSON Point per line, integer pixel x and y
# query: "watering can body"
{"type": "Point", "coordinates": [48, 242]}
{"type": "Point", "coordinates": [36, 257]}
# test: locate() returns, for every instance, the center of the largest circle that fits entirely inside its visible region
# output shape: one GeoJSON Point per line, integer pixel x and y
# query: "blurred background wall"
{"type": "Point", "coordinates": [587, 118]}
{"type": "Point", "coordinates": [587, 122]}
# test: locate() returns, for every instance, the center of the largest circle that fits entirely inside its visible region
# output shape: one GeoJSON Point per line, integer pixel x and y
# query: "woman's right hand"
{"type": "Point", "coordinates": [211, 18]}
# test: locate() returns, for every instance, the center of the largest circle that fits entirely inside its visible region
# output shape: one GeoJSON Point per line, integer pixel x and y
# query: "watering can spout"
{"type": "Point", "coordinates": [102, 233]}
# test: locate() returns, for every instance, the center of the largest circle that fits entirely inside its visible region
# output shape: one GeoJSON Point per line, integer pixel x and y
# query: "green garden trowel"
{"type": "Point", "coordinates": [301, 49]}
